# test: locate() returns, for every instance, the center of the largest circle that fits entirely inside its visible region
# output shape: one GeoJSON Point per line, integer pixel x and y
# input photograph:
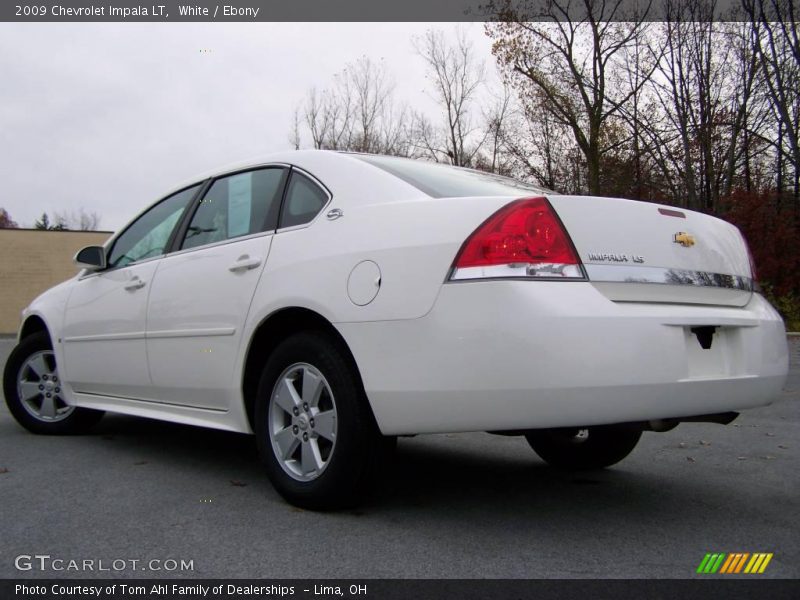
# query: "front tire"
{"type": "Point", "coordinates": [315, 430]}
{"type": "Point", "coordinates": [33, 391]}
{"type": "Point", "coordinates": [575, 449]}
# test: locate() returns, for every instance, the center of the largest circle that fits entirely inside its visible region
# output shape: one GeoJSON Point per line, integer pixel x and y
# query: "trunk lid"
{"type": "Point", "coordinates": [642, 252]}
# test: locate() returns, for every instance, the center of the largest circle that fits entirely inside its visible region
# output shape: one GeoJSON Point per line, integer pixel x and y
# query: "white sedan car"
{"type": "Point", "coordinates": [328, 302]}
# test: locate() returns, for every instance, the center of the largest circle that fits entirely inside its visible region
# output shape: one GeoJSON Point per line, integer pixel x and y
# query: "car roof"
{"type": "Point", "coordinates": [350, 175]}
{"type": "Point", "coordinates": [338, 171]}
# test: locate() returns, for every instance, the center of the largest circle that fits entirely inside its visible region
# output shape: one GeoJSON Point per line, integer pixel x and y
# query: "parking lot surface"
{"type": "Point", "coordinates": [453, 506]}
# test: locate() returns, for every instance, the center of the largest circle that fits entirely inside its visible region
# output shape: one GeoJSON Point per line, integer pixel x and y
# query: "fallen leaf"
{"type": "Point", "coordinates": [690, 459]}
{"type": "Point", "coordinates": [236, 483]}
{"type": "Point", "coordinates": [704, 443]}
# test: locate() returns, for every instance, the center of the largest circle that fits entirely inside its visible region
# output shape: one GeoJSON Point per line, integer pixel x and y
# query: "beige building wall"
{"type": "Point", "coordinates": [32, 260]}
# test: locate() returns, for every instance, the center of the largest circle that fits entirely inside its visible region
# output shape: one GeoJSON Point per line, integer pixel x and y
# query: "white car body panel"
{"type": "Point", "coordinates": [104, 324]}
{"type": "Point", "coordinates": [506, 355]}
{"type": "Point", "coordinates": [412, 269]}
{"type": "Point", "coordinates": [434, 356]}
{"type": "Point", "coordinates": [215, 419]}
{"type": "Point", "coordinates": [626, 227]}
{"type": "Point", "coordinates": [196, 315]}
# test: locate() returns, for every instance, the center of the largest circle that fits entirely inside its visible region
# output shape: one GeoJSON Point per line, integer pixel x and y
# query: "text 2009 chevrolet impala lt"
{"type": "Point", "coordinates": [329, 302]}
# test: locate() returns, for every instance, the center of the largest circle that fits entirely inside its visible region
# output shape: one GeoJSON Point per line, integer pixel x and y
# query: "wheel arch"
{"type": "Point", "coordinates": [33, 324]}
{"type": "Point", "coordinates": [275, 328]}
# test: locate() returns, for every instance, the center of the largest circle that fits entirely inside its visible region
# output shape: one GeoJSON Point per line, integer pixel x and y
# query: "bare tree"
{"type": "Point", "coordinates": [79, 220]}
{"type": "Point", "coordinates": [635, 77]}
{"type": "Point", "coordinates": [540, 147]}
{"type": "Point", "coordinates": [456, 76]}
{"type": "Point", "coordinates": [357, 112]}
{"type": "Point", "coordinates": [495, 117]}
{"type": "Point", "coordinates": [294, 135]}
{"type": "Point", "coordinates": [777, 43]}
{"type": "Point", "coordinates": [371, 88]}
{"type": "Point", "coordinates": [748, 110]}
{"type": "Point", "coordinates": [328, 115]}
{"type": "Point", "coordinates": [573, 64]}
{"type": "Point", "coordinates": [704, 111]}
{"type": "Point", "coordinates": [89, 221]}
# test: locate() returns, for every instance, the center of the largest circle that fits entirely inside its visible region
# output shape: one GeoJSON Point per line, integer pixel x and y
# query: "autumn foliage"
{"type": "Point", "coordinates": [771, 229]}
{"type": "Point", "coordinates": [771, 225]}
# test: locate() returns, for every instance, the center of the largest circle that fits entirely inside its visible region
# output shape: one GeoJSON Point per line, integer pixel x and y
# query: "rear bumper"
{"type": "Point", "coordinates": [505, 355]}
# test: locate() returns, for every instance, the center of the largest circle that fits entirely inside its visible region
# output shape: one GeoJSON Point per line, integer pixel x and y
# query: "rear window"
{"type": "Point", "coordinates": [445, 181]}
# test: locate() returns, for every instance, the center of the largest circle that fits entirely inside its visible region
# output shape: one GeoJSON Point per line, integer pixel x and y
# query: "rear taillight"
{"type": "Point", "coordinates": [523, 239]}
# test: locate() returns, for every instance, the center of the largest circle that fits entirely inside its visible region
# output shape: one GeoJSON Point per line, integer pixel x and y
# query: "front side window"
{"type": "Point", "coordinates": [148, 235]}
{"type": "Point", "coordinates": [304, 199]}
{"type": "Point", "coordinates": [237, 205]}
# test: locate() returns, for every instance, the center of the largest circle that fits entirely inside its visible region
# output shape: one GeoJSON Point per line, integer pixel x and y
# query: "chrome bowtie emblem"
{"type": "Point", "coordinates": [684, 239]}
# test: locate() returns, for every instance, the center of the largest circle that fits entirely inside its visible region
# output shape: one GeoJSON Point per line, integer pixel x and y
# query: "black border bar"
{"type": "Point", "coordinates": [730, 588]}
{"type": "Point", "coordinates": [63, 11]}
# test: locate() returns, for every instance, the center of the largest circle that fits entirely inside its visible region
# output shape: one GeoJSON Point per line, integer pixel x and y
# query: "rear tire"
{"type": "Point", "coordinates": [314, 427]}
{"type": "Point", "coordinates": [575, 449]}
{"type": "Point", "coordinates": [32, 388]}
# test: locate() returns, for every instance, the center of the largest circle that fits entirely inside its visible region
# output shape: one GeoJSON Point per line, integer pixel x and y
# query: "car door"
{"type": "Point", "coordinates": [105, 316]}
{"type": "Point", "coordinates": [201, 293]}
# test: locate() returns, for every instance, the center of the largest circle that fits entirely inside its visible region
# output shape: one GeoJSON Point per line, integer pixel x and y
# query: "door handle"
{"type": "Point", "coordinates": [244, 263]}
{"type": "Point", "coordinates": [134, 284]}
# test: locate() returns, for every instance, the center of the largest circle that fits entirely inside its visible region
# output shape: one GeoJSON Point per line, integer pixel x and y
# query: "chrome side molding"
{"type": "Point", "coordinates": [665, 276]}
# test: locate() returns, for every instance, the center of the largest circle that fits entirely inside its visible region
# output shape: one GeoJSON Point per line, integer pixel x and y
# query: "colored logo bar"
{"type": "Point", "coordinates": [735, 562]}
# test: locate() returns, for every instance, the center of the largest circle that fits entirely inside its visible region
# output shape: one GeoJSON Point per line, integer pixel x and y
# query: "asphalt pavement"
{"type": "Point", "coordinates": [453, 506]}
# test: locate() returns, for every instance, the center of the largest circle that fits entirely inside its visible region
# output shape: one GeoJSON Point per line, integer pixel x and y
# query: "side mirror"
{"type": "Point", "coordinates": [91, 257]}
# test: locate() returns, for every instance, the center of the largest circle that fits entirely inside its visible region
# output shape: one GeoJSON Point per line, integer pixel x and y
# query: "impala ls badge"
{"type": "Point", "coordinates": [684, 239]}
{"type": "Point", "coordinates": [615, 257]}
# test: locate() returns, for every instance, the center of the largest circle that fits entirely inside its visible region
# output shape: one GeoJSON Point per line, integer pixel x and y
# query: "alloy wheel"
{"type": "Point", "coordinates": [39, 388]}
{"type": "Point", "coordinates": [302, 422]}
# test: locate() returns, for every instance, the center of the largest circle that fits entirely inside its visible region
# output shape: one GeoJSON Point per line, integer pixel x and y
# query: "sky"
{"type": "Point", "coordinates": [108, 117]}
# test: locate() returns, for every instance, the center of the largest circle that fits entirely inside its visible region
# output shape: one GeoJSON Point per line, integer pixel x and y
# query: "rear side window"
{"type": "Point", "coordinates": [237, 205]}
{"type": "Point", "coordinates": [304, 199]}
{"type": "Point", "coordinates": [445, 181]}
